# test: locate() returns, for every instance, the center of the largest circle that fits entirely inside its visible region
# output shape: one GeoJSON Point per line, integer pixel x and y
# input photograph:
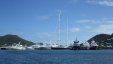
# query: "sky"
{"type": "Point", "coordinates": [37, 20]}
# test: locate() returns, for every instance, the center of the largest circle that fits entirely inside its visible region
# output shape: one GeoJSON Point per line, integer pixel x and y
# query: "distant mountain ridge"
{"type": "Point", "coordinates": [10, 39]}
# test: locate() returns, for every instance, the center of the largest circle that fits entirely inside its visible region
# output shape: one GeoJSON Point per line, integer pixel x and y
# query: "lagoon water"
{"type": "Point", "coordinates": [56, 57]}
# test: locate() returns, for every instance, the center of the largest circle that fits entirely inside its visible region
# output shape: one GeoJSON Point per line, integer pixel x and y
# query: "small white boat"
{"type": "Point", "coordinates": [93, 45]}
{"type": "Point", "coordinates": [39, 47]}
{"type": "Point", "coordinates": [17, 47]}
{"type": "Point", "coordinates": [30, 48]}
{"type": "Point", "coordinates": [85, 46]}
{"type": "Point", "coordinates": [4, 48]}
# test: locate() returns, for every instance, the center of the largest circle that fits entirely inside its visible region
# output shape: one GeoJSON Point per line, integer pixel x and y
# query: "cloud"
{"type": "Point", "coordinates": [46, 34]}
{"type": "Point", "coordinates": [85, 21]}
{"type": "Point", "coordinates": [95, 26]}
{"type": "Point", "coordinates": [87, 27]}
{"type": "Point", "coordinates": [107, 21]}
{"type": "Point", "coordinates": [88, 21]}
{"type": "Point", "coordinates": [106, 2]}
{"type": "Point", "coordinates": [95, 22]}
{"type": "Point", "coordinates": [106, 28]}
{"type": "Point", "coordinates": [42, 17]}
{"type": "Point", "coordinates": [101, 2]}
{"type": "Point", "coordinates": [110, 22]}
{"type": "Point", "coordinates": [75, 29]}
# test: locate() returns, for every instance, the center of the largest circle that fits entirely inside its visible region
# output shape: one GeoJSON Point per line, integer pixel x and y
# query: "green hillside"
{"type": "Point", "coordinates": [103, 40]}
{"type": "Point", "coordinates": [9, 39]}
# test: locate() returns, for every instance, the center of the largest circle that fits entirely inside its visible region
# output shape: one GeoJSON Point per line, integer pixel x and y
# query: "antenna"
{"type": "Point", "coordinates": [76, 39]}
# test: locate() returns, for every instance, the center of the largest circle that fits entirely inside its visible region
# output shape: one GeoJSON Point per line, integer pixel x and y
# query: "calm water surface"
{"type": "Point", "coordinates": [56, 57]}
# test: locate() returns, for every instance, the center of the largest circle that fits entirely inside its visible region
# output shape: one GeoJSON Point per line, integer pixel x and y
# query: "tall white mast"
{"type": "Point", "coordinates": [67, 29]}
{"type": "Point", "coordinates": [59, 20]}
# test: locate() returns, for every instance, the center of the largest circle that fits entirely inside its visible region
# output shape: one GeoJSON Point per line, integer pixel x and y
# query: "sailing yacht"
{"type": "Point", "coordinates": [59, 47]}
